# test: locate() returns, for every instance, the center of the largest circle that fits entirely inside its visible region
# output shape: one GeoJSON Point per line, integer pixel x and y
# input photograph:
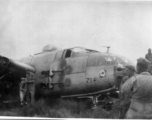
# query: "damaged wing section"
{"type": "Point", "coordinates": [3, 65]}
{"type": "Point", "coordinates": [16, 65]}
{"type": "Point", "coordinates": [8, 65]}
{"type": "Point", "coordinates": [10, 73]}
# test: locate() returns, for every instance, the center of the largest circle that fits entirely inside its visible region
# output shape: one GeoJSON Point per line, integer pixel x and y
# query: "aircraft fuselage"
{"type": "Point", "coordinates": [75, 73]}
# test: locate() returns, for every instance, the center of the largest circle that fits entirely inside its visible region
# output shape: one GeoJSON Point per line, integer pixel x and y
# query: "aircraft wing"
{"type": "Point", "coordinates": [9, 65]}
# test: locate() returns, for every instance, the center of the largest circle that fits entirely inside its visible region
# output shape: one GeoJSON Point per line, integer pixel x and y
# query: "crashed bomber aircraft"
{"type": "Point", "coordinates": [78, 72]}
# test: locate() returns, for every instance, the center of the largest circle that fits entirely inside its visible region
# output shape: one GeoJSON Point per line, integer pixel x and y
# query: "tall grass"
{"type": "Point", "coordinates": [59, 108]}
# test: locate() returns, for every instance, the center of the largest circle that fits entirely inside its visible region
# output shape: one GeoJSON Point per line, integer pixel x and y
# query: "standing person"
{"type": "Point", "coordinates": [31, 85]}
{"type": "Point", "coordinates": [148, 56]}
{"type": "Point", "coordinates": [140, 88]}
{"type": "Point", "coordinates": [23, 91]}
{"type": "Point", "coordinates": [130, 71]}
{"type": "Point", "coordinates": [125, 98]}
{"type": "Point", "coordinates": [119, 72]}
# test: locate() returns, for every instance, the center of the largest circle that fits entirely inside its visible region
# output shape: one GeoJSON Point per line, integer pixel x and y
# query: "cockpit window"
{"type": "Point", "coordinates": [82, 50]}
{"type": "Point", "coordinates": [68, 53]}
{"type": "Point", "coordinates": [77, 52]}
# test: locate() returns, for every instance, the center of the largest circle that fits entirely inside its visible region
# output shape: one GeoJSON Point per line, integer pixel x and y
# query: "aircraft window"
{"type": "Point", "coordinates": [123, 60]}
{"type": "Point", "coordinates": [119, 60]}
{"type": "Point", "coordinates": [82, 50]}
{"type": "Point", "coordinates": [92, 61]}
{"type": "Point", "coordinates": [79, 50]}
{"type": "Point", "coordinates": [68, 53]}
{"type": "Point", "coordinates": [109, 60]}
{"type": "Point", "coordinates": [126, 60]}
{"type": "Point", "coordinates": [101, 61]}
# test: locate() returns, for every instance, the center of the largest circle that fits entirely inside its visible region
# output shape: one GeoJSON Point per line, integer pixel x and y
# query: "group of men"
{"type": "Point", "coordinates": [136, 90]}
{"type": "Point", "coordinates": [27, 88]}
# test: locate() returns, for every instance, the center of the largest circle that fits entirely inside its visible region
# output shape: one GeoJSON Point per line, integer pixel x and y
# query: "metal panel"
{"type": "Point", "coordinates": [59, 55]}
{"type": "Point", "coordinates": [75, 83]}
{"type": "Point", "coordinates": [58, 76]}
{"type": "Point", "coordinates": [99, 72]}
{"type": "Point", "coordinates": [99, 59]}
{"type": "Point", "coordinates": [72, 78]}
{"type": "Point", "coordinates": [26, 60]}
{"type": "Point", "coordinates": [43, 61]}
{"type": "Point", "coordinates": [93, 80]}
{"type": "Point", "coordinates": [92, 60]}
{"type": "Point", "coordinates": [75, 65]}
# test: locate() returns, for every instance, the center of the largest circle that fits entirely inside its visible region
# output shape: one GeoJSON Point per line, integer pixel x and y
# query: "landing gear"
{"type": "Point", "coordinates": [106, 104]}
{"type": "Point", "coordinates": [103, 102]}
{"type": "Point", "coordinates": [95, 101]}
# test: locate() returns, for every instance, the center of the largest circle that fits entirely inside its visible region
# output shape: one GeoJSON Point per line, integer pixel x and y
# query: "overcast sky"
{"type": "Point", "coordinates": [27, 26]}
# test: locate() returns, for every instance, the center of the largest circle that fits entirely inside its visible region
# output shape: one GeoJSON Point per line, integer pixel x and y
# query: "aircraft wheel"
{"type": "Point", "coordinates": [106, 104]}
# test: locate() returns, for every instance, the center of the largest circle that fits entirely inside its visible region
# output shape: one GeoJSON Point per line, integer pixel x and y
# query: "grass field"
{"type": "Point", "coordinates": [57, 108]}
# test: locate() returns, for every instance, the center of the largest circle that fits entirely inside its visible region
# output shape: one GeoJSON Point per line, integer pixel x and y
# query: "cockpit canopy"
{"type": "Point", "coordinates": [77, 52]}
{"type": "Point", "coordinates": [82, 50]}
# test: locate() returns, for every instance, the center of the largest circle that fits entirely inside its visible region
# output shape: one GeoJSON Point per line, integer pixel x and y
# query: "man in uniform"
{"type": "Point", "coordinates": [119, 72]}
{"type": "Point", "coordinates": [148, 56]}
{"type": "Point", "coordinates": [23, 90]}
{"type": "Point", "coordinates": [140, 88]}
{"type": "Point", "coordinates": [125, 98]}
{"type": "Point", "coordinates": [31, 85]}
